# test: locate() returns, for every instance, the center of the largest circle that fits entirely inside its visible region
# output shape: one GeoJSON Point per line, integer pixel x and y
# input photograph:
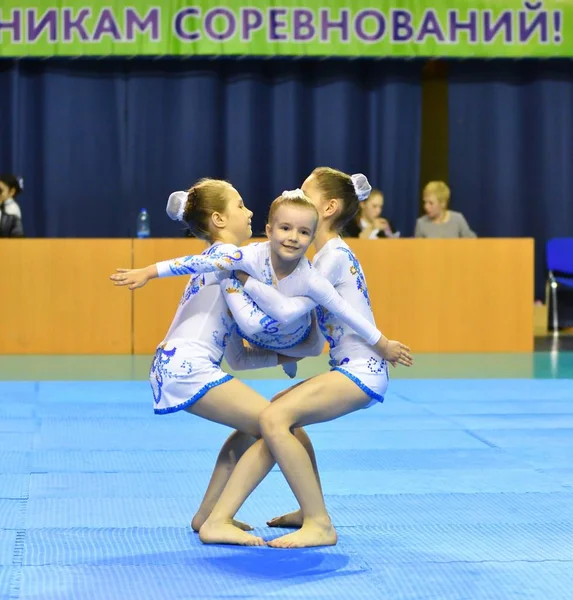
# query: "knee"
{"type": "Point", "coordinates": [272, 422]}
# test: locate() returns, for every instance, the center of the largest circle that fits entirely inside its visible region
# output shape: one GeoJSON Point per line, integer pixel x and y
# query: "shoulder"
{"type": "Point", "coordinates": [334, 254]}
{"type": "Point", "coordinates": [219, 249]}
{"type": "Point", "coordinates": [228, 252]}
{"type": "Point", "coordinates": [257, 249]}
{"type": "Point", "coordinates": [331, 263]}
{"type": "Point", "coordinates": [457, 219]}
{"type": "Point", "coordinates": [456, 216]}
{"type": "Point", "coordinates": [423, 220]}
{"type": "Point", "coordinates": [12, 208]}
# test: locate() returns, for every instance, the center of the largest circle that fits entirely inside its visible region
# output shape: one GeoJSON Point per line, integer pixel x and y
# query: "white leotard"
{"type": "Point", "coordinates": [187, 362]}
{"type": "Point", "coordinates": [349, 353]}
{"type": "Point", "coordinates": [305, 282]}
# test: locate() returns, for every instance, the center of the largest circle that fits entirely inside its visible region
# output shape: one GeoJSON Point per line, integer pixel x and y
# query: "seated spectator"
{"type": "Point", "coordinates": [439, 222]}
{"type": "Point", "coordinates": [368, 224]}
{"type": "Point", "coordinates": [10, 214]}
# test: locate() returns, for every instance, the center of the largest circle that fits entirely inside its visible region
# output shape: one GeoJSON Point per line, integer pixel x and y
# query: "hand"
{"type": "Point", "coordinates": [133, 278]}
{"type": "Point", "coordinates": [242, 276]}
{"type": "Point", "coordinates": [383, 225]}
{"type": "Point", "coordinates": [395, 352]}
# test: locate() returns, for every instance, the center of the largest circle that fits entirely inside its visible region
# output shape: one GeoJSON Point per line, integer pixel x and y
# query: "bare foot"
{"type": "Point", "coordinates": [243, 526]}
{"type": "Point", "coordinates": [292, 519]}
{"type": "Point", "coordinates": [306, 537]}
{"type": "Point", "coordinates": [199, 519]}
{"type": "Point", "coordinates": [227, 533]}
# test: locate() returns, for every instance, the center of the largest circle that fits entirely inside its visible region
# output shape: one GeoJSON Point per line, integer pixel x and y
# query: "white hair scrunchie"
{"type": "Point", "coordinates": [176, 205]}
{"type": "Point", "coordinates": [361, 186]}
{"type": "Point", "coordinates": [291, 194]}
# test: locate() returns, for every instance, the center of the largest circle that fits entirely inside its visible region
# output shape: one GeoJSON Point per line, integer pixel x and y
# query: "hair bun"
{"type": "Point", "coordinates": [361, 186]}
{"type": "Point", "coordinates": [176, 205]}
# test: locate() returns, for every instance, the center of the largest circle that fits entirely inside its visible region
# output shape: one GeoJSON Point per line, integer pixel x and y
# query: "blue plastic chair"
{"type": "Point", "coordinates": [560, 266]}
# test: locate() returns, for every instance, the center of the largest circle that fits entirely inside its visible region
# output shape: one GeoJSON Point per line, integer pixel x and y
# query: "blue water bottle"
{"type": "Point", "coordinates": [143, 230]}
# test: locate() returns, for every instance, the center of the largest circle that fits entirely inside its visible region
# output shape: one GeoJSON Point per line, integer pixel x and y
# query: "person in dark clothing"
{"type": "Point", "coordinates": [10, 214]}
{"type": "Point", "coordinates": [368, 224]}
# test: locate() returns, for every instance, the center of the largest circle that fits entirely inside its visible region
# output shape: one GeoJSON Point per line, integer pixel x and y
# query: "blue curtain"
{"type": "Point", "coordinates": [98, 140]}
{"type": "Point", "coordinates": [511, 150]}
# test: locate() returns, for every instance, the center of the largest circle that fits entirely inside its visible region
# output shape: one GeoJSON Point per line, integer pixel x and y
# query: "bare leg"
{"type": "Point", "coordinates": [313, 401]}
{"type": "Point", "coordinates": [249, 472]}
{"type": "Point", "coordinates": [253, 467]}
{"type": "Point", "coordinates": [232, 450]}
{"type": "Point", "coordinates": [294, 519]}
{"type": "Point", "coordinates": [229, 455]}
{"type": "Point", "coordinates": [233, 404]}
{"type": "Point", "coordinates": [231, 407]}
{"type": "Point", "coordinates": [324, 398]}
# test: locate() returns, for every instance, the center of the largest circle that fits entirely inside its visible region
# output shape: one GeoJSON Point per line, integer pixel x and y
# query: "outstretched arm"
{"type": "Point", "coordinates": [224, 257]}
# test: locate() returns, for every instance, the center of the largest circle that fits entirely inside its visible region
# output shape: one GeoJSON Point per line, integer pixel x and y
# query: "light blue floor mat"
{"type": "Point", "coordinates": [7, 541]}
{"type": "Point", "coordinates": [12, 513]}
{"type": "Point", "coordinates": [5, 582]}
{"type": "Point", "coordinates": [450, 490]}
{"type": "Point", "coordinates": [14, 485]}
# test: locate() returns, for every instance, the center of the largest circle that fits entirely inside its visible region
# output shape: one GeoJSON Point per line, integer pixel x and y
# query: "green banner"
{"type": "Point", "coordinates": [347, 28]}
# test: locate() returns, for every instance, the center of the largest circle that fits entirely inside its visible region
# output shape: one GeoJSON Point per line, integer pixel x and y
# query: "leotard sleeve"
{"type": "Point", "coordinates": [320, 291]}
{"type": "Point", "coordinates": [325, 294]}
{"type": "Point", "coordinates": [250, 319]}
{"type": "Point", "coordinates": [283, 309]}
{"type": "Point", "coordinates": [224, 257]}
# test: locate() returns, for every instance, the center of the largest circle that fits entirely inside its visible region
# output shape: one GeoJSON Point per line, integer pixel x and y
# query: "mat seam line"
{"type": "Point", "coordinates": [19, 543]}
{"type": "Point", "coordinates": [449, 420]}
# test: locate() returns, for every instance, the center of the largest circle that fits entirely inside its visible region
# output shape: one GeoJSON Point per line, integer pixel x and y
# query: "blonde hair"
{"type": "Point", "coordinates": [440, 190]}
{"type": "Point", "coordinates": [294, 198]}
{"type": "Point", "coordinates": [203, 199]}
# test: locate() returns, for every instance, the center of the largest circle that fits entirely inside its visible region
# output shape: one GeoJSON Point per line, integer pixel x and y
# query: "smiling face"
{"type": "Point", "coordinates": [291, 231]}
